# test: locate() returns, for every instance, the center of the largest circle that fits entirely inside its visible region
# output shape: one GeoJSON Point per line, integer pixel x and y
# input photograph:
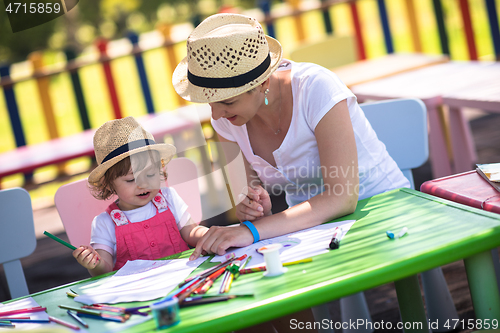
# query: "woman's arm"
{"type": "Point", "coordinates": [339, 161]}
{"type": "Point", "coordinates": [252, 201]}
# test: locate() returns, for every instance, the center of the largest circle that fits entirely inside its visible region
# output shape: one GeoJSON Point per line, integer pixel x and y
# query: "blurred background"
{"type": "Point", "coordinates": [106, 59]}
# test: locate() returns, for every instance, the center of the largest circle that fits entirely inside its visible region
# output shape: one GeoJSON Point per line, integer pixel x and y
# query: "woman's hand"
{"type": "Point", "coordinates": [254, 205]}
{"type": "Point", "coordinates": [86, 256]}
{"type": "Point", "coordinates": [218, 239]}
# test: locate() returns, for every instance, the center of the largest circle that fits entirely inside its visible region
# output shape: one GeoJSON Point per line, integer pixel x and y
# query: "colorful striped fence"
{"type": "Point", "coordinates": [269, 18]}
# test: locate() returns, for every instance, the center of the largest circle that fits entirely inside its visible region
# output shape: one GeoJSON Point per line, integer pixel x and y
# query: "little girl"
{"type": "Point", "coordinates": [145, 222]}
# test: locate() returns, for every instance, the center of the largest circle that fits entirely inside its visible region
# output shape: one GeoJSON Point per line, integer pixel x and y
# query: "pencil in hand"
{"type": "Point", "coordinates": [57, 239]}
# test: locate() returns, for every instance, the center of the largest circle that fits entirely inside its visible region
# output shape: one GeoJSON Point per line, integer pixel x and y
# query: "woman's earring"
{"type": "Point", "coordinates": [266, 101]}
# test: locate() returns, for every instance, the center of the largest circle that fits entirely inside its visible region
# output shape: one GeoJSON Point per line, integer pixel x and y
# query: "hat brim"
{"type": "Point", "coordinates": [195, 94]}
{"type": "Point", "coordinates": [167, 151]}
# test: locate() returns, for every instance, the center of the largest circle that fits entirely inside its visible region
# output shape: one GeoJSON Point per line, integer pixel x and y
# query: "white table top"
{"type": "Point", "coordinates": [391, 64]}
{"type": "Point", "coordinates": [429, 83]}
{"type": "Point", "coordinates": [483, 94]}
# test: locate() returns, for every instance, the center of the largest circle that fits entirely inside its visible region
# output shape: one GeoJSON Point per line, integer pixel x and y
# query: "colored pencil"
{"type": "Point", "coordinates": [190, 290]}
{"type": "Point", "coordinates": [210, 270]}
{"type": "Point", "coordinates": [242, 267]}
{"type": "Point", "coordinates": [15, 320]}
{"type": "Point", "coordinates": [57, 239]}
{"type": "Point", "coordinates": [71, 294]}
{"type": "Point", "coordinates": [7, 325]}
{"type": "Point", "coordinates": [102, 317]}
{"type": "Point", "coordinates": [210, 281]}
{"type": "Point", "coordinates": [63, 323]}
{"type": "Point", "coordinates": [26, 310]}
{"type": "Point", "coordinates": [224, 281]}
{"type": "Point", "coordinates": [79, 310]}
{"type": "Point", "coordinates": [7, 318]}
{"type": "Point", "coordinates": [78, 319]}
{"type": "Point", "coordinates": [263, 268]}
{"type": "Point", "coordinates": [104, 308]}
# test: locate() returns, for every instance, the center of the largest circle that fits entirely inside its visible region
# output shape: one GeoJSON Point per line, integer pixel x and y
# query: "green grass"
{"type": "Point", "coordinates": [159, 72]}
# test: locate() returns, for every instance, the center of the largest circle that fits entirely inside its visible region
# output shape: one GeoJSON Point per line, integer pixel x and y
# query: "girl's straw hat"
{"type": "Point", "coordinates": [117, 139]}
{"type": "Point", "coordinates": [227, 54]}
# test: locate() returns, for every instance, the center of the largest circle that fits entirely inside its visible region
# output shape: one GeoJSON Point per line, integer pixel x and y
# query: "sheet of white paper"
{"type": "Point", "coordinates": [138, 280]}
{"type": "Point", "coordinates": [31, 303]}
{"type": "Point", "coordinates": [296, 245]}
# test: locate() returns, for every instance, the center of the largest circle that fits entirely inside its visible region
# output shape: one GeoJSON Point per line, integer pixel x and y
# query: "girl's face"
{"type": "Point", "coordinates": [239, 109]}
{"type": "Point", "coordinates": [136, 189]}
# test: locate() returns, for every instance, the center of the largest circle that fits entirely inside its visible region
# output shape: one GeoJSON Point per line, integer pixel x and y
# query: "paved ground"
{"type": "Point", "coordinates": [51, 265]}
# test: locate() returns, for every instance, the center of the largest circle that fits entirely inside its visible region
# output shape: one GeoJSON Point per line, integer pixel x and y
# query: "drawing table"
{"type": "Point", "coordinates": [483, 94]}
{"type": "Point", "coordinates": [391, 64]}
{"type": "Point", "coordinates": [439, 232]}
{"type": "Point", "coordinates": [429, 84]}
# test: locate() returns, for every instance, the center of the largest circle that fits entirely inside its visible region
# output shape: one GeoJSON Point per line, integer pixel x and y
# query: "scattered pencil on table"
{"type": "Point", "coordinates": [263, 268]}
{"type": "Point", "coordinates": [71, 294]}
{"type": "Point", "coordinates": [242, 267]}
{"type": "Point", "coordinates": [7, 325]}
{"type": "Point", "coordinates": [190, 301]}
{"type": "Point", "coordinates": [63, 323]}
{"type": "Point", "coordinates": [7, 318]}
{"type": "Point", "coordinates": [104, 307]}
{"type": "Point", "coordinates": [78, 319]}
{"type": "Point", "coordinates": [17, 320]}
{"type": "Point", "coordinates": [103, 316]}
{"type": "Point", "coordinates": [207, 272]}
{"type": "Point", "coordinates": [57, 239]}
{"type": "Point", "coordinates": [26, 310]}
{"type": "Point", "coordinates": [79, 310]}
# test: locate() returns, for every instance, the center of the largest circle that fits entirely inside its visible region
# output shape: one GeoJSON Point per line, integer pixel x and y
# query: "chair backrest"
{"type": "Point", "coordinates": [77, 207]}
{"type": "Point", "coordinates": [331, 52]}
{"type": "Point", "coordinates": [401, 124]}
{"type": "Point", "coordinates": [17, 237]}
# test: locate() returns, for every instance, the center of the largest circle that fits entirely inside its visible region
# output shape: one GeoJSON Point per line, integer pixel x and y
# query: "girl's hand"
{"type": "Point", "coordinates": [87, 257]}
{"type": "Point", "coordinates": [254, 205]}
{"type": "Point", "coordinates": [218, 239]}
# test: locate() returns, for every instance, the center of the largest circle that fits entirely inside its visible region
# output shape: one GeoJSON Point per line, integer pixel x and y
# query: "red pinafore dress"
{"type": "Point", "coordinates": [151, 239]}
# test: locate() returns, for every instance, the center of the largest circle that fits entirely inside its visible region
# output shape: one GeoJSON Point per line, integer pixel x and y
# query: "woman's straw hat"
{"type": "Point", "coordinates": [227, 54]}
{"type": "Point", "coordinates": [117, 139]}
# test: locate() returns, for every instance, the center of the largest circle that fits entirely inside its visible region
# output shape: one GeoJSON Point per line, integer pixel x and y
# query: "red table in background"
{"type": "Point", "coordinates": [470, 189]}
{"type": "Point", "coordinates": [467, 188]}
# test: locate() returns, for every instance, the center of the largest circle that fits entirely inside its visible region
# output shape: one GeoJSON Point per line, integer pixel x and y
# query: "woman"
{"type": "Point", "coordinates": [300, 130]}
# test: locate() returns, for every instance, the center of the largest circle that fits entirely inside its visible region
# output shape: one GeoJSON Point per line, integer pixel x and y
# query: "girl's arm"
{"type": "Point", "coordinates": [337, 151]}
{"type": "Point", "coordinates": [192, 232]}
{"type": "Point", "coordinates": [97, 262]}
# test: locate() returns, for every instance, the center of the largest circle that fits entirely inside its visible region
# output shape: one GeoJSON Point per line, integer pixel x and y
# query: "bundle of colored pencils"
{"type": "Point", "coordinates": [201, 283]}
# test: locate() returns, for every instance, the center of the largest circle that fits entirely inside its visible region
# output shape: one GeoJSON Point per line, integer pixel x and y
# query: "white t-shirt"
{"type": "Point", "coordinates": [315, 91]}
{"type": "Point", "coordinates": [103, 228]}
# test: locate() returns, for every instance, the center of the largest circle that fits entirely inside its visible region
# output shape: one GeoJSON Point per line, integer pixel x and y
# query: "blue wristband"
{"type": "Point", "coordinates": [253, 230]}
